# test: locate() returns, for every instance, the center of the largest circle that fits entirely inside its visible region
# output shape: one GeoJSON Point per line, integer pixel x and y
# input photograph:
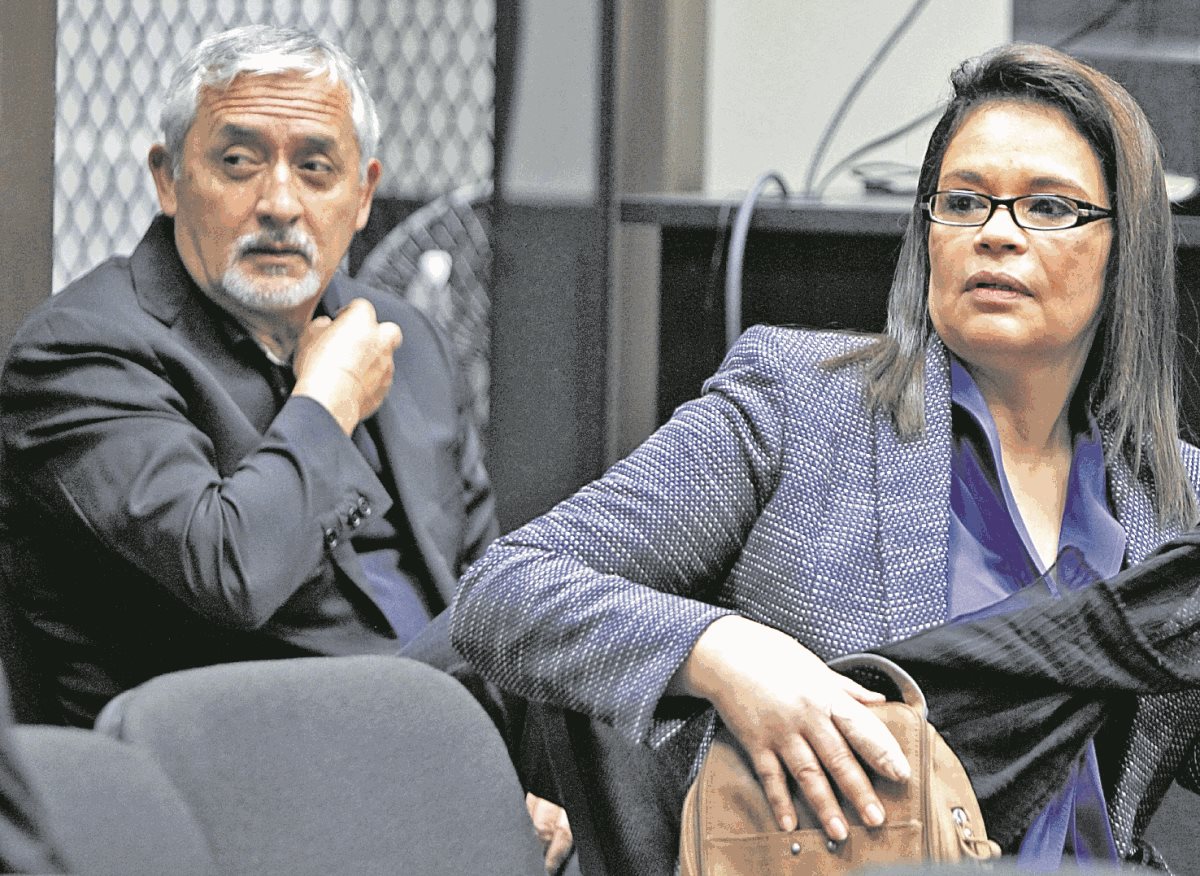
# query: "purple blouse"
{"type": "Point", "coordinates": [991, 557]}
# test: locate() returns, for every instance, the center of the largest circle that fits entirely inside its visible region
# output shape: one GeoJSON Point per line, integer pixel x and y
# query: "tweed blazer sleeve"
{"type": "Point", "coordinates": [594, 606]}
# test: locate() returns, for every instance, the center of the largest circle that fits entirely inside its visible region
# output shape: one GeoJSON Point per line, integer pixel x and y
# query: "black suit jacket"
{"type": "Point", "coordinates": [158, 510]}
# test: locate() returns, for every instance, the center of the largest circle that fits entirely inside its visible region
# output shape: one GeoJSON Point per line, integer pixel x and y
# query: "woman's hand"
{"type": "Point", "coordinates": [793, 714]}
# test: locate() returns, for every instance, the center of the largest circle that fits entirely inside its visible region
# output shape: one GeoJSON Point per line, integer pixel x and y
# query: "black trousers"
{"type": "Point", "coordinates": [518, 722]}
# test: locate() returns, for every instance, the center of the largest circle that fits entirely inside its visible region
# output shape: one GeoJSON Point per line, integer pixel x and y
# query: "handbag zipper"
{"type": "Point", "coordinates": [697, 817]}
{"type": "Point", "coordinates": [926, 803]}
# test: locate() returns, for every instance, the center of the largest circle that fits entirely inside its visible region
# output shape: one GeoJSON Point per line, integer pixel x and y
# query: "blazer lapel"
{"type": "Point", "coordinates": [410, 461]}
{"type": "Point", "coordinates": [160, 281]}
{"type": "Point", "coordinates": [167, 292]}
{"type": "Point", "coordinates": [1135, 510]}
{"type": "Point", "coordinates": [913, 506]}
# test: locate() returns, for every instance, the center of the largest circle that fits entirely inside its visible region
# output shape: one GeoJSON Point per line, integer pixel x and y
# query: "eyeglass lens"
{"type": "Point", "coordinates": [1032, 211]}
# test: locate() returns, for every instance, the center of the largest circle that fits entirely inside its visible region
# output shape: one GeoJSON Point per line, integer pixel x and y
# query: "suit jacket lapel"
{"type": "Point", "coordinates": [1134, 509]}
{"type": "Point", "coordinates": [161, 282]}
{"type": "Point", "coordinates": [409, 460]}
{"type": "Point", "coordinates": [167, 292]}
{"type": "Point", "coordinates": [913, 507]}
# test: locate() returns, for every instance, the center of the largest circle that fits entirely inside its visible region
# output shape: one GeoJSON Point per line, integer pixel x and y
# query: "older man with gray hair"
{"type": "Point", "coordinates": [220, 448]}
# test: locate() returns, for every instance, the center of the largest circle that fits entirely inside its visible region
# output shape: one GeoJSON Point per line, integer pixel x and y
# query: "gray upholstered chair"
{"type": "Point", "coordinates": [334, 765]}
{"type": "Point", "coordinates": [1173, 832]}
{"type": "Point", "coordinates": [108, 807]}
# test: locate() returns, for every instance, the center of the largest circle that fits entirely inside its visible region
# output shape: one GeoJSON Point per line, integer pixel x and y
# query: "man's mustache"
{"type": "Point", "coordinates": [286, 240]}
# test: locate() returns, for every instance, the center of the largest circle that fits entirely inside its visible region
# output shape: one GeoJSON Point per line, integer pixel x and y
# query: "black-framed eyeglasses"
{"type": "Point", "coordinates": [1034, 212]}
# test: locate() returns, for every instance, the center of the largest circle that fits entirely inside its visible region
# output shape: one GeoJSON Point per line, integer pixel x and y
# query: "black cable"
{"type": "Point", "coordinates": [868, 71]}
{"type": "Point", "coordinates": [1091, 26]}
{"type": "Point", "coordinates": [720, 247]}
{"type": "Point", "coordinates": [871, 145]}
{"type": "Point", "coordinates": [737, 249]}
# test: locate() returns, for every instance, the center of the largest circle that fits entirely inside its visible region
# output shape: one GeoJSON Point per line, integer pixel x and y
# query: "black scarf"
{"type": "Point", "coordinates": [1017, 694]}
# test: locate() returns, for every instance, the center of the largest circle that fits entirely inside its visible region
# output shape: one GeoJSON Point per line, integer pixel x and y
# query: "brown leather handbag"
{"type": "Point", "coordinates": [728, 827]}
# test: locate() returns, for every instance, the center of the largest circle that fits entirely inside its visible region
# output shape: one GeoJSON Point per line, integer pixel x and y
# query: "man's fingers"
{"type": "Point", "coordinates": [552, 828]}
{"type": "Point", "coordinates": [359, 308]}
{"type": "Point", "coordinates": [315, 329]}
{"type": "Point", "coordinates": [560, 846]}
{"type": "Point", "coordinates": [390, 335]}
{"type": "Point", "coordinates": [548, 818]}
{"type": "Point", "coordinates": [871, 738]}
{"type": "Point", "coordinates": [360, 311]}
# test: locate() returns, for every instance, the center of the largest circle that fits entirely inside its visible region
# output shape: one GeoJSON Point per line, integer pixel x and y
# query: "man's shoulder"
{"type": "Point", "coordinates": [103, 294]}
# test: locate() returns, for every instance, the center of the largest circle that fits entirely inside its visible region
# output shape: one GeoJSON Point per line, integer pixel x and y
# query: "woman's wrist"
{"type": "Point", "coordinates": [705, 671]}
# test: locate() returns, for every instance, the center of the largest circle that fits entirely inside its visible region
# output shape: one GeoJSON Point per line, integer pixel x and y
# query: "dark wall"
{"type": "Point", "coordinates": [823, 280]}
{"type": "Point", "coordinates": [549, 355]}
{"type": "Point", "coordinates": [551, 234]}
{"type": "Point", "coordinates": [1146, 45]}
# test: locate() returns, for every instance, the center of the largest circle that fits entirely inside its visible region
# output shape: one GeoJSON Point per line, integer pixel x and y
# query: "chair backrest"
{"type": "Point", "coordinates": [109, 808]}
{"type": "Point", "coordinates": [335, 765]}
{"type": "Point", "coordinates": [1172, 830]}
{"type": "Point", "coordinates": [459, 302]}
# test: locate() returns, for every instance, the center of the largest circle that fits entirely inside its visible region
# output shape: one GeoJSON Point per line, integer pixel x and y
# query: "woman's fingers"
{"type": "Point", "coordinates": [871, 739]}
{"type": "Point", "coordinates": [837, 760]}
{"type": "Point", "coordinates": [775, 786]}
{"type": "Point", "coordinates": [813, 766]}
{"type": "Point", "coordinates": [823, 755]}
{"type": "Point", "coordinates": [793, 714]}
{"type": "Point", "coordinates": [860, 693]}
{"type": "Point", "coordinates": [813, 782]}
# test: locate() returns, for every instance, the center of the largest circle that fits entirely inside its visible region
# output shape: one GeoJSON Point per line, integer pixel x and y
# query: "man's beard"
{"type": "Point", "coordinates": [261, 293]}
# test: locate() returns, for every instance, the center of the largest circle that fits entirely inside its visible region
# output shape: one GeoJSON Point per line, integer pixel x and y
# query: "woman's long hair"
{"type": "Point", "coordinates": [1130, 378]}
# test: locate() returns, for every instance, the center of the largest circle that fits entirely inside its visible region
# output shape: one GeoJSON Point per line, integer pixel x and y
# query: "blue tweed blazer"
{"type": "Point", "coordinates": [778, 496]}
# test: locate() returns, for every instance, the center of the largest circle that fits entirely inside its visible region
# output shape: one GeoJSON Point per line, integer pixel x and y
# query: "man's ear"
{"type": "Point", "coordinates": [370, 182]}
{"type": "Point", "coordinates": [164, 177]}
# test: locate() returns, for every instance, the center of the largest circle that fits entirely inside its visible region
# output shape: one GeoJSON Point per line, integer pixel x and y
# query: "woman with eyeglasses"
{"type": "Point", "coordinates": [830, 493]}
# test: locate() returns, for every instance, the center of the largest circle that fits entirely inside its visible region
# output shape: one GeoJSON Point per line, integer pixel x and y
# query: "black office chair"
{"type": "Point", "coordinates": [1173, 831]}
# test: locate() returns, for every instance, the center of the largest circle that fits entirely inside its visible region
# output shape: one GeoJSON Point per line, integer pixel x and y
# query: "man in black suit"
{"type": "Point", "coordinates": [220, 448]}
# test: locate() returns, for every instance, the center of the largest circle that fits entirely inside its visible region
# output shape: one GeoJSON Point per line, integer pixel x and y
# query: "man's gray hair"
{"type": "Point", "coordinates": [263, 50]}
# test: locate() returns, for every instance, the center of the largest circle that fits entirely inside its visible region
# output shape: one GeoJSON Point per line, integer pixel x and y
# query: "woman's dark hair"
{"type": "Point", "coordinates": [1130, 379]}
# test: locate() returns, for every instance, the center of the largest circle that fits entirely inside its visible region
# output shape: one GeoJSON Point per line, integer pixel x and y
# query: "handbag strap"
{"type": "Point", "coordinates": [874, 667]}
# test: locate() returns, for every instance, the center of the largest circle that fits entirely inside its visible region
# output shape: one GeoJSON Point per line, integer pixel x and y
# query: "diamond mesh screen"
{"type": "Point", "coordinates": [429, 63]}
